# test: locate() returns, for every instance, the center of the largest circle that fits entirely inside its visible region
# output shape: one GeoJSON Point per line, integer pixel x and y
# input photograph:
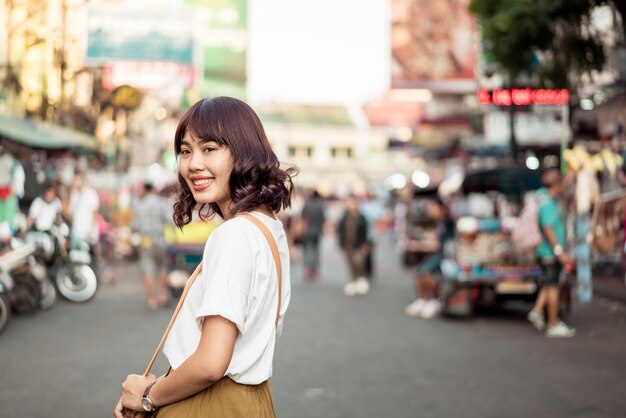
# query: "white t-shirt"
{"type": "Point", "coordinates": [83, 204]}
{"type": "Point", "coordinates": [238, 282]}
{"type": "Point", "coordinates": [44, 213]}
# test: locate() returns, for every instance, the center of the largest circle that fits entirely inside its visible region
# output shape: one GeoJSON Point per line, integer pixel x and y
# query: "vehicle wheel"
{"type": "Point", "coordinates": [80, 286]}
{"type": "Point", "coordinates": [457, 302]}
{"type": "Point", "coordinates": [48, 294]}
{"type": "Point", "coordinates": [5, 312]}
{"type": "Point", "coordinates": [25, 295]}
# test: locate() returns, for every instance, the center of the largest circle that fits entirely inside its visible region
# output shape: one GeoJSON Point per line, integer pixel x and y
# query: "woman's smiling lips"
{"type": "Point", "coordinates": [201, 183]}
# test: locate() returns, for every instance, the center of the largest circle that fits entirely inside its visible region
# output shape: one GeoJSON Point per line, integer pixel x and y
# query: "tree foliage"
{"type": "Point", "coordinates": [546, 39]}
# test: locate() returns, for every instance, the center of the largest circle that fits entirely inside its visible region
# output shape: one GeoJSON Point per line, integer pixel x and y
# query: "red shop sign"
{"type": "Point", "coordinates": [523, 97]}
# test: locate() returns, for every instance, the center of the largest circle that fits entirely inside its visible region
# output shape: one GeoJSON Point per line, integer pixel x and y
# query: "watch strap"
{"type": "Point", "coordinates": [147, 391]}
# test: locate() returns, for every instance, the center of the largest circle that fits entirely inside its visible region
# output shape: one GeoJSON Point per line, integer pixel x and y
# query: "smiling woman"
{"type": "Point", "coordinates": [221, 345]}
{"type": "Point", "coordinates": [220, 131]}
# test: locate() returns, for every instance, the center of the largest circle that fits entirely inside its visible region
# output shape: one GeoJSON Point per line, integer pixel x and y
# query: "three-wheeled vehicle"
{"type": "Point", "coordinates": [184, 251]}
{"type": "Point", "coordinates": [482, 267]}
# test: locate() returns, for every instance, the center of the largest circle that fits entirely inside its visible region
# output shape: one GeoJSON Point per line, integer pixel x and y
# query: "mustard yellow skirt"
{"type": "Point", "coordinates": [224, 399]}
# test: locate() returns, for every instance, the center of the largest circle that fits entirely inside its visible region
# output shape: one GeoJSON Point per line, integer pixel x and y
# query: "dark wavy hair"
{"type": "Point", "coordinates": [257, 178]}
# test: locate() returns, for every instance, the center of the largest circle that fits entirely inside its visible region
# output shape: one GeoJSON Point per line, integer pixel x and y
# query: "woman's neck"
{"type": "Point", "coordinates": [262, 209]}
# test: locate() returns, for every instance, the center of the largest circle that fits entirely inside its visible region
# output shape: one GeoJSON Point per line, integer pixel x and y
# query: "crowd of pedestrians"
{"type": "Point", "coordinates": [354, 233]}
{"type": "Point", "coordinates": [60, 193]}
{"type": "Point", "coordinates": [71, 199]}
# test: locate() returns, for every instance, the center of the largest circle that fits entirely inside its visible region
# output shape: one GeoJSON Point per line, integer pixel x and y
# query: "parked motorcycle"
{"type": "Point", "coordinates": [5, 304]}
{"type": "Point", "coordinates": [23, 281]}
{"type": "Point", "coordinates": [69, 268]}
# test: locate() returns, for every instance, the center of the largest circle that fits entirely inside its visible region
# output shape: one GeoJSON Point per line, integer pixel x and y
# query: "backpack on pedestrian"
{"type": "Point", "coordinates": [526, 234]}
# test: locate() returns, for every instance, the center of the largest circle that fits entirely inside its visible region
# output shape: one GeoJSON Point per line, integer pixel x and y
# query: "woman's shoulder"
{"type": "Point", "coordinates": [237, 228]}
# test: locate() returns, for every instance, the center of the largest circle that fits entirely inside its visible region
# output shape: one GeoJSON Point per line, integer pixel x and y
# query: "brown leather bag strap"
{"type": "Point", "coordinates": [272, 243]}
{"type": "Point", "coordinates": [274, 247]}
{"type": "Point", "coordinates": [173, 318]}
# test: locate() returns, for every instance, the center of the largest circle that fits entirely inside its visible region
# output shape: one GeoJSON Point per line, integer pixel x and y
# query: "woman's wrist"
{"type": "Point", "coordinates": [558, 250]}
{"type": "Point", "coordinates": [150, 391]}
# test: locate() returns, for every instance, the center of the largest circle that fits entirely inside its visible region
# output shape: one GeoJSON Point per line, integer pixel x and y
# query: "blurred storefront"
{"type": "Point", "coordinates": [333, 146]}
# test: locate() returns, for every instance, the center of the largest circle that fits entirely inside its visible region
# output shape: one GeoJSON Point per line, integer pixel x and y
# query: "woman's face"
{"type": "Point", "coordinates": [206, 167]}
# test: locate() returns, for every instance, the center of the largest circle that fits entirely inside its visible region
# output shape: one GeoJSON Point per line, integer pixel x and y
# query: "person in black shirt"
{"type": "Point", "coordinates": [352, 234]}
{"type": "Point", "coordinates": [313, 218]}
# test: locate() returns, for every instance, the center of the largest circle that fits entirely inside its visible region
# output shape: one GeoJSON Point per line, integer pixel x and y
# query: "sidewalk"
{"type": "Point", "coordinates": [612, 287]}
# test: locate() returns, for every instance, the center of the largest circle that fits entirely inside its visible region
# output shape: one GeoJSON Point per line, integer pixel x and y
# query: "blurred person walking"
{"type": "Point", "coordinates": [552, 257]}
{"type": "Point", "coordinates": [150, 216]}
{"type": "Point", "coordinates": [313, 217]}
{"type": "Point", "coordinates": [291, 218]}
{"type": "Point", "coordinates": [373, 211]}
{"type": "Point", "coordinates": [12, 180]}
{"type": "Point", "coordinates": [82, 213]}
{"type": "Point", "coordinates": [221, 345]}
{"type": "Point", "coordinates": [352, 235]}
{"type": "Point", "coordinates": [425, 283]}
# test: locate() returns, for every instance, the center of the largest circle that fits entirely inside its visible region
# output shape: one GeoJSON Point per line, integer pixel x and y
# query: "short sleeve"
{"type": "Point", "coordinates": [226, 275]}
{"type": "Point", "coordinates": [94, 199]}
{"type": "Point", "coordinates": [547, 215]}
{"type": "Point", "coordinates": [35, 208]}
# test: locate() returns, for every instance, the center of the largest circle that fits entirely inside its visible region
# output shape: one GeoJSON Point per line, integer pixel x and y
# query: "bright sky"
{"type": "Point", "coordinates": [318, 51]}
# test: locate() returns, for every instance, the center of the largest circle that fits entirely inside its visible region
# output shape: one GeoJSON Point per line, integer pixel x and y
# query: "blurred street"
{"type": "Point", "coordinates": [338, 357]}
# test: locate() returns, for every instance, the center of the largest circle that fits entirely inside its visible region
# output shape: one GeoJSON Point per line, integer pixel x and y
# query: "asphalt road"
{"type": "Point", "coordinates": [338, 357]}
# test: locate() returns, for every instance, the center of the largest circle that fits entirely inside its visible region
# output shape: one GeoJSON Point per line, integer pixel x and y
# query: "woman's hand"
{"type": "Point", "coordinates": [121, 412]}
{"type": "Point", "coordinates": [132, 390]}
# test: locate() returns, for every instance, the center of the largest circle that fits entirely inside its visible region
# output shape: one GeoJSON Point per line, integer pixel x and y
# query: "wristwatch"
{"type": "Point", "coordinates": [146, 400]}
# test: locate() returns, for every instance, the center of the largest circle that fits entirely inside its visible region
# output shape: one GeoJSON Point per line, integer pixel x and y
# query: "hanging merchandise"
{"type": "Point", "coordinates": [606, 223]}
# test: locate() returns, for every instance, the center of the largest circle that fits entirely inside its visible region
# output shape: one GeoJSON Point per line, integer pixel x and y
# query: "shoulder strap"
{"type": "Point", "coordinates": [272, 243]}
{"type": "Point", "coordinates": [174, 315]}
{"type": "Point", "coordinates": [274, 247]}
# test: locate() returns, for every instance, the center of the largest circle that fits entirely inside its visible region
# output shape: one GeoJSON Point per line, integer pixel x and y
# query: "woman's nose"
{"type": "Point", "coordinates": [195, 161]}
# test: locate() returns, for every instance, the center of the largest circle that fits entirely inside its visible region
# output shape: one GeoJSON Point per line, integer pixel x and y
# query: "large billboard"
{"type": "Point", "coordinates": [432, 44]}
{"type": "Point", "coordinates": [199, 43]}
{"type": "Point", "coordinates": [222, 41]}
{"type": "Point", "coordinates": [139, 34]}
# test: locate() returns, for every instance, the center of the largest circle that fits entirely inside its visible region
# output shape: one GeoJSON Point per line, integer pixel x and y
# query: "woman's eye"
{"type": "Point", "coordinates": [209, 149]}
{"type": "Point", "coordinates": [184, 152]}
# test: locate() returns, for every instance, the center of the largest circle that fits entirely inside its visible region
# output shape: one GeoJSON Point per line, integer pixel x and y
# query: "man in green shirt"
{"type": "Point", "coordinates": [551, 256]}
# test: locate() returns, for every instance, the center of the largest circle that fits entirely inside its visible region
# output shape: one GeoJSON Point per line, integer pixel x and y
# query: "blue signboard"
{"type": "Point", "coordinates": [131, 34]}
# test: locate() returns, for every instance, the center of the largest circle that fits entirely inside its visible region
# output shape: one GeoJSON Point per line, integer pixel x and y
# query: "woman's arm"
{"type": "Point", "coordinates": [204, 367]}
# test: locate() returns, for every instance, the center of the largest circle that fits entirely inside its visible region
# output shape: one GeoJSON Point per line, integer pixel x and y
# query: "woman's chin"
{"type": "Point", "coordinates": [203, 198]}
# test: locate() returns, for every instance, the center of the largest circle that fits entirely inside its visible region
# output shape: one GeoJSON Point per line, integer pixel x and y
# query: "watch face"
{"type": "Point", "coordinates": [146, 403]}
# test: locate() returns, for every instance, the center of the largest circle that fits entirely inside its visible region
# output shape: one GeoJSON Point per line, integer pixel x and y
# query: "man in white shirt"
{"type": "Point", "coordinates": [45, 210]}
{"type": "Point", "coordinates": [83, 214]}
{"type": "Point", "coordinates": [83, 211]}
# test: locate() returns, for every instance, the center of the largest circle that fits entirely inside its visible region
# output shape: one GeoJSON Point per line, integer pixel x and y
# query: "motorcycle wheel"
{"type": "Point", "coordinates": [5, 312]}
{"type": "Point", "coordinates": [26, 295]}
{"type": "Point", "coordinates": [48, 294]}
{"type": "Point", "coordinates": [80, 286]}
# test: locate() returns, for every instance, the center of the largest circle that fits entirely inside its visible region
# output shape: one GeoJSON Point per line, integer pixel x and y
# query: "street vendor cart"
{"type": "Point", "coordinates": [482, 267]}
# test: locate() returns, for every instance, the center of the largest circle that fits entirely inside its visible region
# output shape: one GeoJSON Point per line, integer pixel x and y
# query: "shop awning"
{"type": "Point", "coordinates": [41, 135]}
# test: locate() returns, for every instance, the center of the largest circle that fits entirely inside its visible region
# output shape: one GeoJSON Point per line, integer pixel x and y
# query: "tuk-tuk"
{"type": "Point", "coordinates": [482, 267]}
{"type": "Point", "coordinates": [184, 250]}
